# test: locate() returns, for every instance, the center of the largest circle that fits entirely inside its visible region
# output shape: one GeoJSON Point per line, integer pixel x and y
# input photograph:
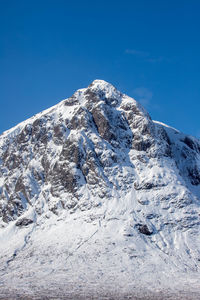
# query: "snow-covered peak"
{"type": "Point", "coordinates": [105, 90]}
{"type": "Point", "coordinates": [101, 84]}
{"type": "Point", "coordinates": [94, 177]}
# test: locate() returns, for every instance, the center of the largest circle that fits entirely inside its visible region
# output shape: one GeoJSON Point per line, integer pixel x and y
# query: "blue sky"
{"type": "Point", "coordinates": [147, 49]}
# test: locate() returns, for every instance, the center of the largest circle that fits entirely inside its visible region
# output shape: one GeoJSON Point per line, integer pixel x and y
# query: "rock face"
{"type": "Point", "coordinates": [98, 155]}
{"type": "Point", "coordinates": [24, 222]}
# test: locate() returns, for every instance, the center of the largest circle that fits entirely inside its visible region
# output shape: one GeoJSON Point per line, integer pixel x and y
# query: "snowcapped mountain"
{"type": "Point", "coordinates": [97, 199]}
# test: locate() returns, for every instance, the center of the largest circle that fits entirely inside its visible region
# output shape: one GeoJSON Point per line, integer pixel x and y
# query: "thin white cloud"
{"type": "Point", "coordinates": [146, 56]}
{"type": "Point", "coordinates": [155, 59]}
{"type": "Point", "coordinates": [143, 95]}
{"type": "Point", "coordinates": [137, 52]}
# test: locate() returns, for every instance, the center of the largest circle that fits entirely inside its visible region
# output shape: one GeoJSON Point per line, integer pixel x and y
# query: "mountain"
{"type": "Point", "coordinates": [98, 200]}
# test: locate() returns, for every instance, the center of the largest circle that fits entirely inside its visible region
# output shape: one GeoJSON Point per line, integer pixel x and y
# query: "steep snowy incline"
{"type": "Point", "coordinates": [93, 192]}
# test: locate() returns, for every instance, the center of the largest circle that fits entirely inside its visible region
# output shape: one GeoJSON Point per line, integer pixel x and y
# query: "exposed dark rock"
{"type": "Point", "coordinates": [46, 165]}
{"type": "Point", "coordinates": [194, 175]}
{"type": "Point", "coordinates": [151, 216]}
{"type": "Point", "coordinates": [143, 186]}
{"type": "Point", "coordinates": [23, 222]}
{"type": "Point", "coordinates": [63, 178]}
{"type": "Point", "coordinates": [81, 120]}
{"type": "Point", "coordinates": [143, 201]}
{"type": "Point", "coordinates": [71, 101]}
{"type": "Point", "coordinates": [131, 109]}
{"type": "Point", "coordinates": [189, 143]}
{"type": "Point", "coordinates": [143, 228]}
{"type": "Point", "coordinates": [167, 148]}
{"type": "Point", "coordinates": [20, 187]}
{"type": "Point", "coordinates": [91, 97]}
{"type": "Point", "coordinates": [58, 132]}
{"type": "Point", "coordinates": [72, 152]}
{"type": "Point", "coordinates": [39, 131]}
{"type": "Point", "coordinates": [39, 176]}
{"type": "Point", "coordinates": [102, 124]}
{"type": "Point", "coordinates": [13, 161]}
{"type": "Point", "coordinates": [140, 144]}
{"type": "Point", "coordinates": [148, 185]}
{"type": "Point", "coordinates": [25, 134]}
{"type": "Point", "coordinates": [166, 137]}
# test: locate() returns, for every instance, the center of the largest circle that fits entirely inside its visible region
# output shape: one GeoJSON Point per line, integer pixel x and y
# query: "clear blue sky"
{"type": "Point", "coordinates": [148, 49]}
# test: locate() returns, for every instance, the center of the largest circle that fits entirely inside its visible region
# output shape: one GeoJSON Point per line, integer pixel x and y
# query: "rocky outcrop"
{"type": "Point", "coordinates": [24, 222]}
{"type": "Point", "coordinates": [143, 228]}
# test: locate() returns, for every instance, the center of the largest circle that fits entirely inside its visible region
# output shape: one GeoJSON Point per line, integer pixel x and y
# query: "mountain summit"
{"type": "Point", "coordinates": [95, 197]}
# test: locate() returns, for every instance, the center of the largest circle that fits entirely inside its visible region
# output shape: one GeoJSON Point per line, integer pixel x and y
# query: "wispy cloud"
{"type": "Point", "coordinates": [146, 56]}
{"type": "Point", "coordinates": [137, 52]}
{"type": "Point", "coordinates": [143, 95]}
{"type": "Point", "coordinates": [155, 59]}
{"type": "Point", "coordinates": [158, 59]}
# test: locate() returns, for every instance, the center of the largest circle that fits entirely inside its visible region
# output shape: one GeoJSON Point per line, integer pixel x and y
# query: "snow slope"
{"type": "Point", "coordinates": [97, 200]}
